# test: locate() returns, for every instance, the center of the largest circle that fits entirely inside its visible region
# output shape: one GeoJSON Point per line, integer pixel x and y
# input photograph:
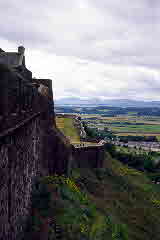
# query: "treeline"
{"type": "Point", "coordinates": [98, 135]}
{"type": "Point", "coordinates": [140, 161]}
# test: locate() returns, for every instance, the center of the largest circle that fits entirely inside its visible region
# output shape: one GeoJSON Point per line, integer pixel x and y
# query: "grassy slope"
{"type": "Point", "coordinates": [123, 197]}
{"type": "Point", "coordinates": [129, 197]}
{"type": "Point", "coordinates": [66, 125]}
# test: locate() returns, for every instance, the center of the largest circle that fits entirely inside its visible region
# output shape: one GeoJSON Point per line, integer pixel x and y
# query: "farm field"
{"type": "Point", "coordinates": [127, 125]}
{"type": "Point", "coordinates": [132, 119]}
{"type": "Point", "coordinates": [121, 121]}
{"type": "Point", "coordinates": [135, 128]}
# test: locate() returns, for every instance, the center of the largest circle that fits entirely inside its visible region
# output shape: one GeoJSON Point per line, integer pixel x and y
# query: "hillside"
{"type": "Point", "coordinates": [116, 202]}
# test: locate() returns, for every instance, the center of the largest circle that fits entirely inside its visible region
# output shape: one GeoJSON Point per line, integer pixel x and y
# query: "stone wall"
{"type": "Point", "coordinates": [27, 152]}
{"type": "Point", "coordinates": [88, 157]}
{"type": "Point", "coordinates": [20, 154]}
{"type": "Point", "coordinates": [30, 146]}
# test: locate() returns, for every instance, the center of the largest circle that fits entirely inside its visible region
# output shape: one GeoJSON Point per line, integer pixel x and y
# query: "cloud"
{"type": "Point", "coordinates": [88, 47]}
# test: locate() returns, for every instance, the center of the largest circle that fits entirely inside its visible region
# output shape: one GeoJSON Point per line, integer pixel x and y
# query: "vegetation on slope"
{"type": "Point", "coordinates": [74, 211]}
{"type": "Point", "coordinates": [67, 126]}
{"type": "Point", "coordinates": [116, 202]}
{"type": "Point", "coordinates": [128, 196]}
{"type": "Point", "coordinates": [136, 158]}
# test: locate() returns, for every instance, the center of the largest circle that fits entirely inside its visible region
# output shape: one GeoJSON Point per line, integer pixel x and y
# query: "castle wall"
{"type": "Point", "coordinates": [30, 146]}
{"type": "Point", "coordinates": [27, 152]}
{"type": "Point", "coordinates": [20, 162]}
{"type": "Point", "coordinates": [88, 157]}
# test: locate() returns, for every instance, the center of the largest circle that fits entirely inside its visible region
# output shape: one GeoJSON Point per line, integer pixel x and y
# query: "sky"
{"type": "Point", "coordinates": [89, 48]}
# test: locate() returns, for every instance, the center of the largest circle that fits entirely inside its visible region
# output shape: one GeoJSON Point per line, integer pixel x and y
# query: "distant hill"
{"type": "Point", "coordinates": [112, 102]}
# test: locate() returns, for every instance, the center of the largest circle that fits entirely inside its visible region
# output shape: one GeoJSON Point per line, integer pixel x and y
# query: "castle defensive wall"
{"type": "Point", "coordinates": [88, 156]}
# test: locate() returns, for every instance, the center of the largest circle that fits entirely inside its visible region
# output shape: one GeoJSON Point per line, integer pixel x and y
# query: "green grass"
{"type": "Point", "coordinates": [74, 211]}
{"type": "Point", "coordinates": [67, 126]}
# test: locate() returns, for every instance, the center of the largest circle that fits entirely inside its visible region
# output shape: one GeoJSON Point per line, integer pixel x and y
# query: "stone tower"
{"type": "Point", "coordinates": [21, 51]}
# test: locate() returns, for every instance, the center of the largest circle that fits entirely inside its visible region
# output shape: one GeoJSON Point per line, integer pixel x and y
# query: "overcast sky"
{"type": "Point", "coordinates": [89, 48]}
